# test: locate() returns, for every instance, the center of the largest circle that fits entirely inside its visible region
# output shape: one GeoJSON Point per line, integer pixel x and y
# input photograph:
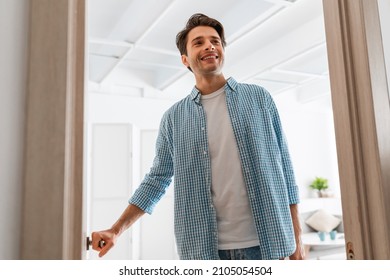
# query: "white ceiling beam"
{"type": "Point", "coordinates": [115, 43]}
{"type": "Point", "coordinates": [150, 28]}
{"type": "Point", "coordinates": [155, 64]}
{"type": "Point", "coordinates": [158, 50]}
{"type": "Point", "coordinates": [119, 61]}
{"type": "Point", "coordinates": [157, 21]}
{"type": "Point", "coordinates": [285, 3]}
{"type": "Point", "coordinates": [303, 53]}
{"type": "Point", "coordinates": [256, 23]}
{"type": "Point", "coordinates": [275, 81]}
{"type": "Point", "coordinates": [299, 73]}
{"type": "Point", "coordinates": [108, 42]}
{"type": "Point", "coordinates": [277, 67]}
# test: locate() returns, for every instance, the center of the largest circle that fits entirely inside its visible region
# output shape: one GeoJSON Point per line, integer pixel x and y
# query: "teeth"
{"type": "Point", "coordinates": [208, 57]}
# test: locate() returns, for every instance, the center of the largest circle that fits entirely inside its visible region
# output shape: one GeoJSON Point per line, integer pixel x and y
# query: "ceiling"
{"type": "Point", "coordinates": [279, 44]}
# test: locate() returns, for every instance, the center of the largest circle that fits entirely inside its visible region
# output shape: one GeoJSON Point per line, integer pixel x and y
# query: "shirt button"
{"type": "Point", "coordinates": [205, 152]}
{"type": "Point", "coordinates": [202, 128]}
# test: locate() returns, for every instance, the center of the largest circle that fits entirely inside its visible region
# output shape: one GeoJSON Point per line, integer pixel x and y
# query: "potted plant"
{"type": "Point", "coordinates": [320, 185]}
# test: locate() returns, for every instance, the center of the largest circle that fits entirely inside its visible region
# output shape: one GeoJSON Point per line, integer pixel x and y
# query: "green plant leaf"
{"type": "Point", "coordinates": [319, 183]}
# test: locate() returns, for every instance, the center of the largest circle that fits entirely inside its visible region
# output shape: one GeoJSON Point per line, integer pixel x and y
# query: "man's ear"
{"type": "Point", "coordinates": [184, 60]}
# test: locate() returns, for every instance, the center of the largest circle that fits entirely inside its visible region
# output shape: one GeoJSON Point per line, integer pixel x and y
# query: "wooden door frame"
{"type": "Point", "coordinates": [362, 123]}
{"type": "Point", "coordinates": [53, 171]}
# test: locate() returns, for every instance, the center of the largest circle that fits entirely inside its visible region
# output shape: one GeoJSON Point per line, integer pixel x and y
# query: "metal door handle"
{"type": "Point", "coordinates": [89, 243]}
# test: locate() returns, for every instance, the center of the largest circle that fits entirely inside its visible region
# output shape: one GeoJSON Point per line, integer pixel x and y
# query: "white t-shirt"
{"type": "Point", "coordinates": [236, 227]}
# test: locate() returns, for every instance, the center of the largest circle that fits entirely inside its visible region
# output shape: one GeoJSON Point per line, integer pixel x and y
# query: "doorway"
{"type": "Point", "coordinates": [135, 74]}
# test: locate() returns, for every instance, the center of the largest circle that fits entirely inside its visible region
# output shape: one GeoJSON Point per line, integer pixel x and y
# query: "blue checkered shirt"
{"type": "Point", "coordinates": [182, 152]}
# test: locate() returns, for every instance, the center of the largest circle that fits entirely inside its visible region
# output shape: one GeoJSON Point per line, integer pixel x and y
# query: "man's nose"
{"type": "Point", "coordinates": [210, 46]}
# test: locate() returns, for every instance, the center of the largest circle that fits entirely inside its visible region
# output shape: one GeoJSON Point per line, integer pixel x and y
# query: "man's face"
{"type": "Point", "coordinates": [205, 54]}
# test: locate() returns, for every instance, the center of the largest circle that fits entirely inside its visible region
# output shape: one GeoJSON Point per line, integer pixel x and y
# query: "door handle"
{"type": "Point", "coordinates": [89, 243]}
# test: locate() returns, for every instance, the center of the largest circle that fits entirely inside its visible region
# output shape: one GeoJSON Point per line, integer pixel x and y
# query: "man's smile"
{"type": "Point", "coordinates": [209, 56]}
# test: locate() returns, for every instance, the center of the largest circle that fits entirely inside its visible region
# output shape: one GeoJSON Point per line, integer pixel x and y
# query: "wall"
{"type": "Point", "coordinates": [144, 113]}
{"type": "Point", "coordinates": [384, 12]}
{"type": "Point", "coordinates": [14, 18]}
{"type": "Point", "coordinates": [311, 138]}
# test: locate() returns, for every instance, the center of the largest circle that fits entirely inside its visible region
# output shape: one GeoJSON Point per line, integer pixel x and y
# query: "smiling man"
{"type": "Point", "coordinates": [234, 185]}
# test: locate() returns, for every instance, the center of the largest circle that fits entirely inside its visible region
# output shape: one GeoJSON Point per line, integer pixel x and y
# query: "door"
{"type": "Point", "coordinates": [147, 238]}
{"type": "Point", "coordinates": [109, 179]}
{"type": "Point", "coordinates": [119, 156]}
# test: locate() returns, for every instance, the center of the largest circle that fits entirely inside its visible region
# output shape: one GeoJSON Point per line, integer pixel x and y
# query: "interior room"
{"type": "Point", "coordinates": [84, 85]}
{"type": "Point", "coordinates": [135, 74]}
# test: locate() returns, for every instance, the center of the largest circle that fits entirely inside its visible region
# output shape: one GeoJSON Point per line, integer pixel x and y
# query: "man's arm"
{"type": "Point", "coordinates": [131, 214]}
{"type": "Point", "coordinates": [299, 253]}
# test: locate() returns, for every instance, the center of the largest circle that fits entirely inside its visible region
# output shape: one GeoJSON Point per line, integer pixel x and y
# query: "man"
{"type": "Point", "coordinates": [234, 186]}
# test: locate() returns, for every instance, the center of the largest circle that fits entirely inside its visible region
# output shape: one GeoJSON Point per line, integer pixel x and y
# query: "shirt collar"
{"type": "Point", "coordinates": [195, 93]}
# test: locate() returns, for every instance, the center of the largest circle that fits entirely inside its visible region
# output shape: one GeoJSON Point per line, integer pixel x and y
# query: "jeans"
{"type": "Point", "coordinates": [252, 253]}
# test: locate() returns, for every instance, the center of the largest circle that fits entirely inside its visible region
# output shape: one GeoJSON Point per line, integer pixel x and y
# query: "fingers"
{"type": "Point", "coordinates": [105, 249]}
{"type": "Point", "coordinates": [102, 242]}
{"type": "Point", "coordinates": [96, 238]}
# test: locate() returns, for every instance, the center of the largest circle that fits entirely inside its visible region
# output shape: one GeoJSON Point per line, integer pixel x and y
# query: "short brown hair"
{"type": "Point", "coordinates": [195, 21]}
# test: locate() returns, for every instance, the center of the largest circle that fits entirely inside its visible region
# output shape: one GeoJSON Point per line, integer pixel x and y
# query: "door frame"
{"type": "Point", "coordinates": [53, 170]}
{"type": "Point", "coordinates": [361, 109]}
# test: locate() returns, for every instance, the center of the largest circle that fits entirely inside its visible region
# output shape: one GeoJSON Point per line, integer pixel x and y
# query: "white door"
{"type": "Point", "coordinates": [109, 178]}
{"type": "Point", "coordinates": [156, 232]}
{"type": "Point", "coordinates": [119, 157]}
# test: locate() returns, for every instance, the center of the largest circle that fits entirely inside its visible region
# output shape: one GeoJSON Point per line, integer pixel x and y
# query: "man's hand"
{"type": "Point", "coordinates": [109, 236]}
{"type": "Point", "coordinates": [299, 253]}
{"type": "Point", "coordinates": [109, 240]}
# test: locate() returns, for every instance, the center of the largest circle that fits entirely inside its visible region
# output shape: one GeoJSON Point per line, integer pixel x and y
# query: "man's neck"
{"type": "Point", "coordinates": [207, 85]}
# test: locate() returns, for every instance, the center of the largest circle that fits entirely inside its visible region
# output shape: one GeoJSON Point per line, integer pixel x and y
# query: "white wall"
{"type": "Point", "coordinates": [13, 75]}
{"type": "Point", "coordinates": [384, 12]}
{"type": "Point", "coordinates": [310, 133]}
{"type": "Point", "coordinates": [144, 113]}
